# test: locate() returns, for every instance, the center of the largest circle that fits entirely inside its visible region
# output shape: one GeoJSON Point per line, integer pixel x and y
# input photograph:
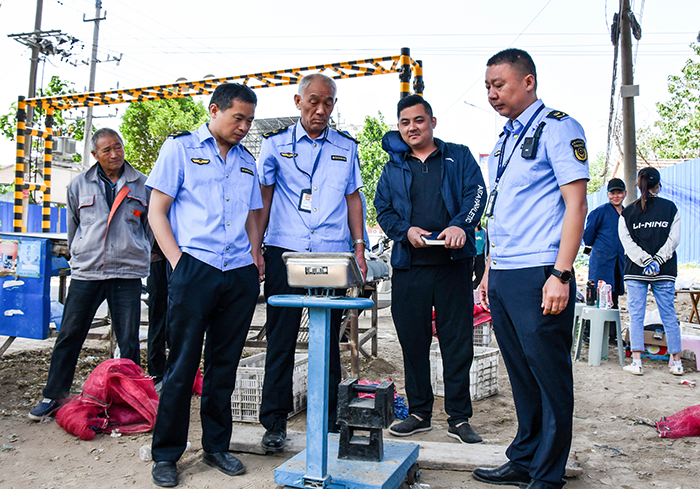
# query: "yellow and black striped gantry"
{"type": "Point", "coordinates": [401, 64]}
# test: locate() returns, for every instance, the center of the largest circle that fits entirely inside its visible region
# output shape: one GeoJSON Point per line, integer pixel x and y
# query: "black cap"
{"type": "Point", "coordinates": [616, 184]}
{"type": "Point", "coordinates": [652, 174]}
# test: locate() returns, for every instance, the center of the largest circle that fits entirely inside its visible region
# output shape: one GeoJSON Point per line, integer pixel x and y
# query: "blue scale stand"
{"type": "Point", "coordinates": [318, 466]}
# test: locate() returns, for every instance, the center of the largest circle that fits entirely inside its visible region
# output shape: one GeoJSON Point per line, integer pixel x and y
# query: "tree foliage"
{"type": "Point", "coordinates": [61, 125]}
{"type": "Point", "coordinates": [595, 168]}
{"type": "Point", "coordinates": [677, 132]}
{"type": "Point", "coordinates": [146, 125]}
{"type": "Point", "coordinates": [372, 159]}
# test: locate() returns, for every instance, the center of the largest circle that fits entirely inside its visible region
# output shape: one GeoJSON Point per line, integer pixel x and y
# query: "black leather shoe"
{"type": "Point", "coordinates": [225, 462]}
{"type": "Point", "coordinates": [273, 440]}
{"type": "Point", "coordinates": [507, 474]}
{"type": "Point", "coordinates": [164, 474]}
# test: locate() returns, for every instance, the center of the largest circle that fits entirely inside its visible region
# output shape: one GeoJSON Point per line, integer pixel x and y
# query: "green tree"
{"type": "Point", "coordinates": [61, 125]}
{"type": "Point", "coordinates": [595, 169]}
{"type": "Point", "coordinates": [146, 125]}
{"type": "Point", "coordinates": [372, 159]}
{"type": "Point", "coordinates": [677, 132]}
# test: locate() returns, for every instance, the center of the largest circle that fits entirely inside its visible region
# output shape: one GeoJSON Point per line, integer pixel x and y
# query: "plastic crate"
{"type": "Point", "coordinates": [247, 396]}
{"type": "Point", "coordinates": [482, 334]}
{"type": "Point", "coordinates": [483, 376]}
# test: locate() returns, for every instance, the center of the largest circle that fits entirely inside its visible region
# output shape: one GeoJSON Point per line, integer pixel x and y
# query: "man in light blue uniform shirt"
{"type": "Point", "coordinates": [536, 210]}
{"type": "Point", "coordinates": [310, 177]}
{"type": "Point", "coordinates": [204, 189]}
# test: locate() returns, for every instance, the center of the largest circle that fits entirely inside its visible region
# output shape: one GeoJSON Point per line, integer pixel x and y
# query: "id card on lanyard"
{"type": "Point", "coordinates": [305, 197]}
{"type": "Point", "coordinates": [491, 202]}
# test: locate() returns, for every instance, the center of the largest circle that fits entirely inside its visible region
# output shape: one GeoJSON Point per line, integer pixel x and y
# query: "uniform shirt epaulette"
{"type": "Point", "coordinates": [501, 135]}
{"type": "Point", "coordinates": [251, 154]}
{"type": "Point", "coordinates": [347, 135]}
{"type": "Point", "coordinates": [557, 114]}
{"type": "Point", "coordinates": [276, 131]}
{"type": "Point", "coordinates": [179, 133]}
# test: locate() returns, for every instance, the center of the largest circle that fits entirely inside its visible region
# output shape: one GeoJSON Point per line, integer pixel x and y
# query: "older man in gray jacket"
{"type": "Point", "coordinates": [110, 245]}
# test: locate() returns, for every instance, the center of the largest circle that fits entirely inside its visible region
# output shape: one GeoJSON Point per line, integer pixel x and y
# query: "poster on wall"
{"type": "Point", "coordinates": [8, 257]}
{"type": "Point", "coordinates": [29, 259]}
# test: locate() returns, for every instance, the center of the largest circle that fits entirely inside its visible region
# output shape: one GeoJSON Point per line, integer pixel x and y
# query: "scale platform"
{"type": "Point", "coordinates": [354, 474]}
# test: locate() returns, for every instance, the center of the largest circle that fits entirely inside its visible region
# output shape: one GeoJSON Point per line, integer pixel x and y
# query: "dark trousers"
{"type": "Point", "coordinates": [203, 299]}
{"type": "Point", "coordinates": [535, 351]}
{"type": "Point", "coordinates": [479, 269]}
{"type": "Point", "coordinates": [414, 293]}
{"type": "Point", "coordinates": [157, 286]}
{"type": "Point", "coordinates": [282, 328]}
{"type": "Point", "coordinates": [84, 298]}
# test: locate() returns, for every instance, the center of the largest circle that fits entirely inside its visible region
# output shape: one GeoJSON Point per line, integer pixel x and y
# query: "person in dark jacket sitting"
{"type": "Point", "coordinates": [431, 189]}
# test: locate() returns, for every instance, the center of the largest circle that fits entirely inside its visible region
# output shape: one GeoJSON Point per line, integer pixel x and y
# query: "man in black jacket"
{"type": "Point", "coordinates": [431, 189]}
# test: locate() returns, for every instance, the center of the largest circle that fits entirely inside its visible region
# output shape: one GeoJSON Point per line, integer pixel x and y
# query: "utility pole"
{"type": "Point", "coordinates": [91, 83]}
{"type": "Point", "coordinates": [36, 49]}
{"type": "Point", "coordinates": [628, 91]}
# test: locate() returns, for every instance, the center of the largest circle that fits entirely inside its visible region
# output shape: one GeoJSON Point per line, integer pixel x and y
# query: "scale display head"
{"type": "Point", "coordinates": [322, 270]}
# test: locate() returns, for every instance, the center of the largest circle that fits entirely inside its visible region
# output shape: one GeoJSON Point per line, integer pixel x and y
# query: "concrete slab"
{"type": "Point", "coordinates": [432, 455]}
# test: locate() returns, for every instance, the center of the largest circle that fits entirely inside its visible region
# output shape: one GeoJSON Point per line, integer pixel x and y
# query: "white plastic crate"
{"type": "Point", "coordinates": [482, 334]}
{"type": "Point", "coordinates": [483, 376]}
{"type": "Point", "coordinates": [247, 396]}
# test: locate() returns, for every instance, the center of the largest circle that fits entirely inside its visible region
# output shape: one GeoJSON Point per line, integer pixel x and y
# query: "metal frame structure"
{"type": "Point", "coordinates": [402, 64]}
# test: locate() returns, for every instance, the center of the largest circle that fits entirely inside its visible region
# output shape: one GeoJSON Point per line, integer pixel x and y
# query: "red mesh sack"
{"type": "Point", "coordinates": [116, 395]}
{"type": "Point", "coordinates": [684, 423]}
{"type": "Point", "coordinates": [82, 418]}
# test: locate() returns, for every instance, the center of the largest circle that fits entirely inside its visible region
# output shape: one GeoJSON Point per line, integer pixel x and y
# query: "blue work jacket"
{"type": "Point", "coordinates": [607, 254]}
{"type": "Point", "coordinates": [463, 191]}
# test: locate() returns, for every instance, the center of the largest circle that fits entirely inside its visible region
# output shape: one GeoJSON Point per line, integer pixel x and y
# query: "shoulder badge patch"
{"type": "Point", "coordinates": [348, 136]}
{"type": "Point", "coordinates": [200, 161]}
{"type": "Point", "coordinates": [251, 154]}
{"type": "Point", "coordinates": [276, 131]}
{"type": "Point", "coordinates": [247, 170]}
{"type": "Point", "coordinates": [557, 114]}
{"type": "Point", "coordinates": [339, 158]}
{"type": "Point", "coordinates": [579, 147]}
{"type": "Point", "coordinates": [180, 133]}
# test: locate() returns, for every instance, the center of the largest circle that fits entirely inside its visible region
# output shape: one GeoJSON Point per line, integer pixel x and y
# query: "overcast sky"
{"type": "Point", "coordinates": [162, 41]}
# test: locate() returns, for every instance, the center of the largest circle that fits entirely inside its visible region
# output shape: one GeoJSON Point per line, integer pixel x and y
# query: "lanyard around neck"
{"type": "Point", "coordinates": [501, 165]}
{"type": "Point", "coordinates": [318, 156]}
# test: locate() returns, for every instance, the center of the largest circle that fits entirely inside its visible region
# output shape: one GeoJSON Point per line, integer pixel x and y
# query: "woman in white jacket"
{"type": "Point", "coordinates": [650, 232]}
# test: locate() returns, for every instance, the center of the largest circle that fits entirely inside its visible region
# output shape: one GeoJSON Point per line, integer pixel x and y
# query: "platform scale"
{"type": "Point", "coordinates": [319, 466]}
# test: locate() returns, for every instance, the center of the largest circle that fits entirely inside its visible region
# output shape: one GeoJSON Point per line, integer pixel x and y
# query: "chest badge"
{"type": "Point", "coordinates": [338, 158]}
{"type": "Point", "coordinates": [289, 155]}
{"type": "Point", "coordinates": [247, 170]}
{"type": "Point", "coordinates": [200, 161]}
{"type": "Point", "coordinates": [579, 147]}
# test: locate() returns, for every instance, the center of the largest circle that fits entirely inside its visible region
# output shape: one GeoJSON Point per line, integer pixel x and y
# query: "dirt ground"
{"type": "Point", "coordinates": [614, 441]}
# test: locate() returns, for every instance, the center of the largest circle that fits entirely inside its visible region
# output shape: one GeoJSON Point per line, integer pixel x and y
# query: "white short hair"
{"type": "Point", "coordinates": [306, 81]}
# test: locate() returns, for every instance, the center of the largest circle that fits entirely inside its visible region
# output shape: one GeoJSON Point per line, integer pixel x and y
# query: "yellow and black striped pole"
{"type": "Point", "coordinates": [405, 73]}
{"type": "Point", "coordinates": [418, 85]}
{"type": "Point", "coordinates": [48, 157]}
{"type": "Point", "coordinates": [19, 164]}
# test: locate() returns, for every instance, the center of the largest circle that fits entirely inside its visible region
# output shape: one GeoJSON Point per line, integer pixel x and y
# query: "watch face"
{"type": "Point", "coordinates": [566, 276]}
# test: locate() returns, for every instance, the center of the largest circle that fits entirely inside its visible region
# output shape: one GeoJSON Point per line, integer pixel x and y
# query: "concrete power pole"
{"type": "Point", "coordinates": [628, 91]}
{"type": "Point", "coordinates": [91, 83]}
{"type": "Point", "coordinates": [33, 68]}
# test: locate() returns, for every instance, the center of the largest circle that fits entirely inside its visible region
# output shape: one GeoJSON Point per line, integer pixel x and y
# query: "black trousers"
{"type": "Point", "coordinates": [414, 293]}
{"type": "Point", "coordinates": [84, 298]}
{"type": "Point", "coordinates": [157, 286]}
{"type": "Point", "coordinates": [203, 299]}
{"type": "Point", "coordinates": [282, 328]}
{"type": "Point", "coordinates": [479, 269]}
{"type": "Point", "coordinates": [535, 350]}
